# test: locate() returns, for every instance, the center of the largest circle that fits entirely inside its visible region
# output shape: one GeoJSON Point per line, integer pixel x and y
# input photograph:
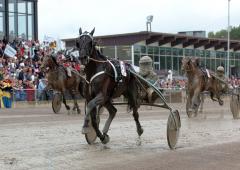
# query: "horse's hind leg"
{"type": "Point", "coordinates": [136, 118]}
{"type": "Point", "coordinates": [73, 94]}
{"type": "Point", "coordinates": [65, 103]}
{"type": "Point", "coordinates": [132, 95]}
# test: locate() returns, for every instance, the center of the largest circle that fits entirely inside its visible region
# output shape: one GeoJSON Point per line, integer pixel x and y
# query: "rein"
{"type": "Point", "coordinates": [98, 61]}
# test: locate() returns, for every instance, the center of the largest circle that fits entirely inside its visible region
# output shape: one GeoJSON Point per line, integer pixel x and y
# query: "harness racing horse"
{"type": "Point", "coordinates": [58, 80]}
{"type": "Point", "coordinates": [104, 86]}
{"type": "Point", "coordinates": [199, 81]}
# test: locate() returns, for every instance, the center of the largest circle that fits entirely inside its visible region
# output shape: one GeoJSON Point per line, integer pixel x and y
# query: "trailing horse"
{"type": "Point", "coordinates": [105, 84]}
{"type": "Point", "coordinates": [199, 80]}
{"type": "Point", "coordinates": [59, 80]}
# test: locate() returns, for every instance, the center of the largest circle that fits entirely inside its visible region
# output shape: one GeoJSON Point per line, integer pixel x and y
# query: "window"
{"type": "Point", "coordinates": [21, 6]}
{"type": "Point", "coordinates": [168, 51]}
{"type": "Point", "coordinates": [109, 51]}
{"type": "Point", "coordinates": [1, 25]}
{"type": "Point", "coordinates": [156, 59]}
{"type": "Point", "coordinates": [143, 50]}
{"type": "Point", "coordinates": [162, 51]}
{"type": "Point", "coordinates": [2, 5]}
{"type": "Point", "coordinates": [150, 50]}
{"type": "Point", "coordinates": [207, 53]}
{"type": "Point", "coordinates": [162, 62]}
{"type": "Point", "coordinates": [176, 63]}
{"type": "Point", "coordinates": [137, 49]}
{"type": "Point", "coordinates": [136, 59]}
{"type": "Point", "coordinates": [30, 7]}
{"type": "Point", "coordinates": [156, 50]}
{"type": "Point", "coordinates": [11, 5]}
{"type": "Point", "coordinates": [175, 51]}
{"type": "Point", "coordinates": [12, 30]}
{"type": "Point", "coordinates": [180, 52]}
{"type": "Point", "coordinates": [22, 26]}
{"type": "Point", "coordinates": [124, 53]}
{"type": "Point", "coordinates": [30, 27]}
{"type": "Point", "coordinates": [169, 62]}
{"type": "Point", "coordinates": [156, 66]}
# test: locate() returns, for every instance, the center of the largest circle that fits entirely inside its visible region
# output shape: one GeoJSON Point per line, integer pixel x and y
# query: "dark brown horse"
{"type": "Point", "coordinates": [58, 80]}
{"type": "Point", "coordinates": [199, 80]}
{"type": "Point", "coordinates": [105, 85]}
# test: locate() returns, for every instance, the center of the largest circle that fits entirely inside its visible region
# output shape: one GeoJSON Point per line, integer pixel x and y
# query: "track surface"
{"type": "Point", "coordinates": [32, 137]}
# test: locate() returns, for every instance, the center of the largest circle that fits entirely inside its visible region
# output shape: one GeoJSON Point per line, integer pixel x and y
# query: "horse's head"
{"type": "Point", "coordinates": [186, 64]}
{"type": "Point", "coordinates": [190, 64]}
{"type": "Point", "coordinates": [48, 62]}
{"type": "Point", "coordinates": [85, 45]}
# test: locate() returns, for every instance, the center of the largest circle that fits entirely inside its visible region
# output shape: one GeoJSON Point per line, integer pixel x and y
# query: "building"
{"type": "Point", "coordinates": [194, 33]}
{"type": "Point", "coordinates": [167, 50]}
{"type": "Point", "coordinates": [19, 18]}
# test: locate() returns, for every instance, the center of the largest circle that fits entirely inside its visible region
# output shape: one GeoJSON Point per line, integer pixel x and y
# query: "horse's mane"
{"type": "Point", "coordinates": [99, 54]}
{"type": "Point", "coordinates": [54, 60]}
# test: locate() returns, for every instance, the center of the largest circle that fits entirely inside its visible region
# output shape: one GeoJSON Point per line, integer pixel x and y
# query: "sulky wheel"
{"type": "Point", "coordinates": [173, 129]}
{"type": "Point", "coordinates": [91, 136]}
{"type": "Point", "coordinates": [56, 102]}
{"type": "Point", "coordinates": [235, 106]}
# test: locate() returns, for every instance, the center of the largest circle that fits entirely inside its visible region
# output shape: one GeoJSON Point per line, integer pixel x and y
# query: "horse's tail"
{"type": "Point", "coordinates": [134, 87]}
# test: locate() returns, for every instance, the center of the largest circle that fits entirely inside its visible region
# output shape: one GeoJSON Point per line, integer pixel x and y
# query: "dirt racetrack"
{"type": "Point", "coordinates": [32, 137]}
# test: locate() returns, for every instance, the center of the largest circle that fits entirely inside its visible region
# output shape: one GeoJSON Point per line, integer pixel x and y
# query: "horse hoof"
{"type": "Point", "coordinates": [140, 131]}
{"type": "Point", "coordinates": [79, 112]}
{"type": "Point", "coordinates": [221, 103]}
{"type": "Point", "coordinates": [86, 130]}
{"type": "Point", "coordinates": [106, 139]}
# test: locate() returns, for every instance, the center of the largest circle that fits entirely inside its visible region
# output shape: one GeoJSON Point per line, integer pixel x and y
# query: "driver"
{"type": "Point", "coordinates": [220, 74]}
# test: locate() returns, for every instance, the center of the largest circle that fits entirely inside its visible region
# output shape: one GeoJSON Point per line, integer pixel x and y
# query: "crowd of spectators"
{"type": "Point", "coordinates": [23, 70]}
{"type": "Point", "coordinates": [176, 84]}
{"type": "Point", "coordinates": [23, 73]}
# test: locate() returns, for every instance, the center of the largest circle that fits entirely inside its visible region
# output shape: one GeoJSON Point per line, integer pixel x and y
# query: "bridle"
{"type": "Point", "coordinates": [187, 67]}
{"type": "Point", "coordinates": [50, 64]}
{"type": "Point", "coordinates": [82, 36]}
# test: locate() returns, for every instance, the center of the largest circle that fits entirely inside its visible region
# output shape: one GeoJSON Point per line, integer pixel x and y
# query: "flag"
{"type": "Point", "coordinates": [9, 51]}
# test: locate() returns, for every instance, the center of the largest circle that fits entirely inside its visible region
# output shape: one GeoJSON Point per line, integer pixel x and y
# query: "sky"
{"type": "Point", "coordinates": [63, 18]}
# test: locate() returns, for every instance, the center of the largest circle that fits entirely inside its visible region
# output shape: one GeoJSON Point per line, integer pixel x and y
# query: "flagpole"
{"type": "Point", "coordinates": [228, 40]}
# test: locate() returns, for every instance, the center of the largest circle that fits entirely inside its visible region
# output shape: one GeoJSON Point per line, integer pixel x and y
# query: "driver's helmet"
{"type": "Point", "coordinates": [220, 69]}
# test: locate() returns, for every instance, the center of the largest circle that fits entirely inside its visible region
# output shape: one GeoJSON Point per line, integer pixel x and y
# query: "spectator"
{"type": "Point", "coordinates": [6, 88]}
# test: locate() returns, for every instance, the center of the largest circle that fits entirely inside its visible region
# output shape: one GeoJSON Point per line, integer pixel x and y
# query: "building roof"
{"type": "Point", "coordinates": [160, 38]}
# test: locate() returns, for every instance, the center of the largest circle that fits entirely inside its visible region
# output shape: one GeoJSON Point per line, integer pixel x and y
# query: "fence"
{"type": "Point", "coordinates": [32, 96]}
{"type": "Point", "coordinates": [37, 96]}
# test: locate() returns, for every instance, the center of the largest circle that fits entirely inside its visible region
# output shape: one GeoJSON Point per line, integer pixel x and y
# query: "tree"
{"type": "Point", "coordinates": [234, 33]}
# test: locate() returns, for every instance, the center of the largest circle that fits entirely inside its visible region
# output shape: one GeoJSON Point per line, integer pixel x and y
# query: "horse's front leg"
{"type": "Point", "coordinates": [201, 103]}
{"type": "Point", "coordinates": [91, 113]}
{"type": "Point", "coordinates": [196, 101]}
{"type": "Point", "coordinates": [65, 103]}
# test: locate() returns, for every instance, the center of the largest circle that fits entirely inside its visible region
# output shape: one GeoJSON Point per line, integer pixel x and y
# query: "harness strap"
{"type": "Point", "coordinates": [208, 74]}
{"type": "Point", "coordinates": [115, 71]}
{"type": "Point", "coordinates": [95, 75]}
